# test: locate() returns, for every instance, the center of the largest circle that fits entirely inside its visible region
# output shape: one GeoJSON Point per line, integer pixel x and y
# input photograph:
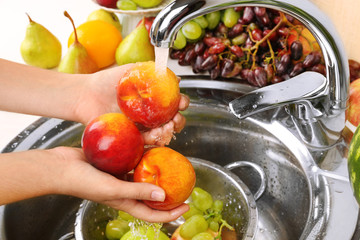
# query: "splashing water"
{"type": "Point", "coordinates": [144, 230]}
{"type": "Point", "coordinates": [161, 58]}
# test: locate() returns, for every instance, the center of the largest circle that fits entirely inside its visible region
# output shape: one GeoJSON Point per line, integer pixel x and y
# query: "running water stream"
{"type": "Point", "coordinates": [161, 59]}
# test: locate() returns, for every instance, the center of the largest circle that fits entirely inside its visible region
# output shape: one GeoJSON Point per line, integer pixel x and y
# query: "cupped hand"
{"type": "Point", "coordinates": [99, 97]}
{"type": "Point", "coordinates": [78, 178]}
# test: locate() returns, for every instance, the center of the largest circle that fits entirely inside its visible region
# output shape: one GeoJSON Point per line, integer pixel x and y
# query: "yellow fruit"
{"type": "Point", "coordinates": [100, 40]}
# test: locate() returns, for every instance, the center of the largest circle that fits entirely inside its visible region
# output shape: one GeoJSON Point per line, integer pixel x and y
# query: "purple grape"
{"type": "Point", "coordinates": [259, 11]}
{"type": "Point", "coordinates": [312, 59]}
{"type": "Point", "coordinates": [215, 72]}
{"type": "Point", "coordinates": [227, 67]}
{"type": "Point", "coordinates": [235, 30]}
{"type": "Point", "coordinates": [296, 49]}
{"type": "Point", "coordinates": [260, 77]}
{"type": "Point", "coordinates": [320, 68]}
{"type": "Point", "coordinates": [248, 14]}
{"type": "Point", "coordinates": [197, 64]}
{"type": "Point", "coordinates": [199, 48]}
{"type": "Point", "coordinates": [209, 62]}
{"type": "Point", "coordinates": [190, 55]}
{"type": "Point", "coordinates": [298, 68]}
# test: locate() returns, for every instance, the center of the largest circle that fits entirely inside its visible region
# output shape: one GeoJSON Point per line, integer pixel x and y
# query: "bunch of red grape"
{"type": "Point", "coordinates": [354, 70]}
{"type": "Point", "coordinates": [256, 44]}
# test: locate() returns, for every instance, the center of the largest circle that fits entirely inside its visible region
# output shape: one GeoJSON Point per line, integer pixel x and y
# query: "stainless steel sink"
{"type": "Point", "coordinates": [307, 195]}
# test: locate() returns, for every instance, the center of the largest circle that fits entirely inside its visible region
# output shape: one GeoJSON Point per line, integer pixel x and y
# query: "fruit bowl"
{"type": "Point", "coordinates": [240, 209]}
{"type": "Point", "coordinates": [139, 11]}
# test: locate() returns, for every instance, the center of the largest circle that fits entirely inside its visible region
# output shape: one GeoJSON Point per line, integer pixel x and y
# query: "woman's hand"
{"type": "Point", "coordinates": [80, 179]}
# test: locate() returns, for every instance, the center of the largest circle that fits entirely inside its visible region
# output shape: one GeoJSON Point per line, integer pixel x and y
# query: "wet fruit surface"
{"type": "Point", "coordinates": [112, 143]}
{"type": "Point", "coordinates": [171, 171]}
{"type": "Point", "coordinates": [148, 96]}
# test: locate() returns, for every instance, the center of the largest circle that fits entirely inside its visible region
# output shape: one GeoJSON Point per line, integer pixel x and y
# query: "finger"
{"type": "Point", "coordinates": [160, 136]}
{"type": "Point", "coordinates": [179, 122]}
{"type": "Point", "coordinates": [140, 191]}
{"type": "Point", "coordinates": [184, 102]}
{"type": "Point", "coordinates": [142, 211]}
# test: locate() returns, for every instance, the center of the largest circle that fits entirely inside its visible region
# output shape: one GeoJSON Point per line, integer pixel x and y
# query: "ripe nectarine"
{"type": "Point", "coordinates": [170, 170]}
{"type": "Point", "coordinates": [113, 144]}
{"type": "Point", "coordinates": [147, 96]}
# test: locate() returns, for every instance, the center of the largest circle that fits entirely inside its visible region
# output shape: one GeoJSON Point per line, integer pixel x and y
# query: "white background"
{"type": "Point", "coordinates": [13, 23]}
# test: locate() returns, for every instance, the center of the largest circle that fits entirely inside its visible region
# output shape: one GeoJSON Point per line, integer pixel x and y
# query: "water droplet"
{"type": "Point", "coordinates": [254, 106]}
{"type": "Point", "coordinates": [14, 145]}
{"type": "Point", "coordinates": [43, 138]}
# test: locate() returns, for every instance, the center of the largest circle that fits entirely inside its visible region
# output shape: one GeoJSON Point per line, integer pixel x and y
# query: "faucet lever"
{"type": "Point", "coordinates": [305, 86]}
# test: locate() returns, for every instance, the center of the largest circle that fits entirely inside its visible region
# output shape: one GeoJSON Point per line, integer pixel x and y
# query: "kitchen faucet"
{"type": "Point", "coordinates": [318, 107]}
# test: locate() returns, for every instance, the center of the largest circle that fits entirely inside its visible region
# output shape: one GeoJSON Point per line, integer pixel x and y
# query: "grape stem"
{"type": "Point", "coordinates": [223, 224]}
{"type": "Point", "coordinates": [254, 49]}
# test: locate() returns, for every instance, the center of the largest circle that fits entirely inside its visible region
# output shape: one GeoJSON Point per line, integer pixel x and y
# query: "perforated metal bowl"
{"type": "Point", "coordinates": [240, 209]}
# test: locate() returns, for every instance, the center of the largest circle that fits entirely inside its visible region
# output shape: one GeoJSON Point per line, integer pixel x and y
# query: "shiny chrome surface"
{"type": "Point", "coordinates": [301, 201]}
{"type": "Point", "coordinates": [329, 106]}
{"type": "Point", "coordinates": [239, 204]}
{"type": "Point", "coordinates": [300, 88]}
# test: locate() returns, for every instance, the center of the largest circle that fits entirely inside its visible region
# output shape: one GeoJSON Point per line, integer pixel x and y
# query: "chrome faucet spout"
{"type": "Point", "coordinates": [297, 89]}
{"type": "Point", "coordinates": [326, 107]}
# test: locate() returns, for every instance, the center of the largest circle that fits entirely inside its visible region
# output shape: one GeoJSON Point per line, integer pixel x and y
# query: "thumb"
{"type": "Point", "coordinates": [141, 191]}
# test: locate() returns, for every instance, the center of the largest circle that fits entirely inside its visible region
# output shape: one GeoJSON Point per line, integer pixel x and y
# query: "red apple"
{"type": "Point", "coordinates": [107, 3]}
{"type": "Point", "coordinates": [171, 171]}
{"type": "Point", "coordinates": [148, 96]}
{"type": "Point", "coordinates": [113, 144]}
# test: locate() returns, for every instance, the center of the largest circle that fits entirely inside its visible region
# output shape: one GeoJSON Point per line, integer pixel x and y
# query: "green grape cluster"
{"type": "Point", "coordinates": [194, 30]}
{"type": "Point", "coordinates": [205, 214]}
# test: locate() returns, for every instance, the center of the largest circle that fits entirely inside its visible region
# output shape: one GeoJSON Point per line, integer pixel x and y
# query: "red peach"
{"type": "Point", "coordinates": [113, 144]}
{"type": "Point", "coordinates": [171, 171]}
{"type": "Point", "coordinates": [147, 96]}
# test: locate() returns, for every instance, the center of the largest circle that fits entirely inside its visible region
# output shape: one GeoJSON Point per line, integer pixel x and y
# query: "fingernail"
{"type": "Point", "coordinates": [158, 196]}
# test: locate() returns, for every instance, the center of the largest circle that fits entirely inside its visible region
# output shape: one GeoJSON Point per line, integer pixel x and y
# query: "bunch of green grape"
{"type": "Point", "coordinates": [194, 30]}
{"type": "Point", "coordinates": [205, 214]}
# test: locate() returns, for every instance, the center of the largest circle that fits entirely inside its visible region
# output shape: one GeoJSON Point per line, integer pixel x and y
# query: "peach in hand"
{"type": "Point", "coordinates": [112, 143]}
{"type": "Point", "coordinates": [169, 170]}
{"type": "Point", "coordinates": [147, 96]}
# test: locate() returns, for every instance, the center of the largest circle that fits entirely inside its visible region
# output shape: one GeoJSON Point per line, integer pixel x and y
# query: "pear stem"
{"type": "Point", "coordinates": [30, 20]}
{"type": "Point", "coordinates": [72, 22]}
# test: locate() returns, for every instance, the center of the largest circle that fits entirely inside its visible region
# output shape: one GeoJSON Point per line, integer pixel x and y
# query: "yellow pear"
{"type": "Point", "coordinates": [106, 16]}
{"type": "Point", "coordinates": [40, 47]}
{"type": "Point", "coordinates": [135, 47]}
{"type": "Point", "coordinates": [77, 59]}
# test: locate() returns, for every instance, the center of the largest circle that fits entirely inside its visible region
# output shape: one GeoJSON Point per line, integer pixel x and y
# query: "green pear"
{"type": "Point", "coordinates": [135, 47]}
{"type": "Point", "coordinates": [106, 16]}
{"type": "Point", "coordinates": [40, 47]}
{"type": "Point", "coordinates": [147, 3]}
{"type": "Point", "coordinates": [77, 59]}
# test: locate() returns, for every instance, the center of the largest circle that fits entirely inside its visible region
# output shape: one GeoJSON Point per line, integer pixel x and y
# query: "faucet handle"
{"type": "Point", "coordinates": [306, 86]}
